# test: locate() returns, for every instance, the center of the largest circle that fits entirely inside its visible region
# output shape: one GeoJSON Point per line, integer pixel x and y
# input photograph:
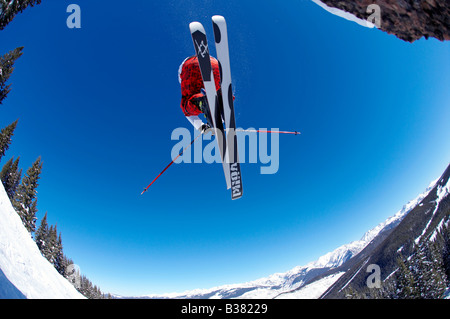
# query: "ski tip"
{"type": "Point", "coordinates": [218, 24]}
{"type": "Point", "coordinates": [196, 26]}
{"type": "Point", "coordinates": [218, 19]}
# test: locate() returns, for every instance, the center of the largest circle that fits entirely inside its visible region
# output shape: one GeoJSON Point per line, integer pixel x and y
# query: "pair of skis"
{"type": "Point", "coordinates": [227, 141]}
{"type": "Point", "coordinates": [220, 105]}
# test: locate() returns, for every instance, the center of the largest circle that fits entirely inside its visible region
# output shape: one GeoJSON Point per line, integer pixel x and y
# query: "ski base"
{"type": "Point", "coordinates": [220, 105]}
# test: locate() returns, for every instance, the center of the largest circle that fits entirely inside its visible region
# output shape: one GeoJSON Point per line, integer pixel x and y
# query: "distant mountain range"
{"type": "Point", "coordinates": [420, 224]}
{"type": "Point", "coordinates": [327, 276]}
{"type": "Point", "coordinates": [25, 273]}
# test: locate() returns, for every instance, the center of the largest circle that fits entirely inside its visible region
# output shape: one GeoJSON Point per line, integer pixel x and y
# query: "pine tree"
{"type": "Point", "coordinates": [6, 172]}
{"type": "Point", "coordinates": [41, 235]}
{"type": "Point", "coordinates": [5, 137]}
{"type": "Point", "coordinates": [59, 256]}
{"type": "Point", "coordinates": [6, 68]}
{"type": "Point", "coordinates": [68, 273]}
{"type": "Point", "coordinates": [48, 242]}
{"type": "Point", "coordinates": [50, 245]}
{"type": "Point", "coordinates": [428, 269]}
{"type": "Point", "coordinates": [46, 247]}
{"type": "Point", "coordinates": [52, 238]}
{"type": "Point", "coordinates": [387, 290]}
{"type": "Point", "coordinates": [446, 250]}
{"type": "Point", "coordinates": [417, 264]}
{"type": "Point", "coordinates": [90, 290]}
{"type": "Point", "coordinates": [436, 283]}
{"type": "Point", "coordinates": [25, 198]}
{"type": "Point", "coordinates": [422, 276]}
{"type": "Point", "coordinates": [9, 9]}
{"type": "Point", "coordinates": [351, 293]}
{"type": "Point", "coordinates": [405, 285]}
{"type": "Point", "coordinates": [10, 176]}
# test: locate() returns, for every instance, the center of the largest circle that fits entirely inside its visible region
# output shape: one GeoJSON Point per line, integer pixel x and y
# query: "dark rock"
{"type": "Point", "coordinates": [409, 20]}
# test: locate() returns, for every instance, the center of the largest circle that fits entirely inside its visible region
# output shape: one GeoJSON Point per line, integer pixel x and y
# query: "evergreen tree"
{"type": "Point", "coordinates": [6, 172]}
{"type": "Point", "coordinates": [59, 256]}
{"type": "Point", "coordinates": [68, 273]}
{"type": "Point", "coordinates": [52, 238]}
{"type": "Point", "coordinates": [9, 9]}
{"type": "Point", "coordinates": [351, 293]}
{"type": "Point", "coordinates": [422, 275]}
{"type": "Point", "coordinates": [25, 198]}
{"type": "Point", "coordinates": [89, 290]}
{"type": "Point", "coordinates": [436, 283]}
{"type": "Point", "coordinates": [417, 265]}
{"type": "Point", "coordinates": [405, 286]}
{"type": "Point", "coordinates": [387, 290]}
{"type": "Point", "coordinates": [83, 284]}
{"type": "Point", "coordinates": [5, 137]}
{"type": "Point", "coordinates": [10, 176]}
{"type": "Point", "coordinates": [48, 243]}
{"type": "Point", "coordinates": [6, 68]}
{"type": "Point", "coordinates": [446, 250]}
{"type": "Point", "coordinates": [41, 235]}
{"type": "Point", "coordinates": [428, 270]}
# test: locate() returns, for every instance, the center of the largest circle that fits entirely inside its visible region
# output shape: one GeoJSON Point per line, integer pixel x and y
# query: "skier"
{"type": "Point", "coordinates": [193, 97]}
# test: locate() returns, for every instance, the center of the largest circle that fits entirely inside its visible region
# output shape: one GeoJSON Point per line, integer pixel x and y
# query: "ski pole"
{"type": "Point", "coordinates": [173, 161]}
{"type": "Point", "coordinates": [271, 132]}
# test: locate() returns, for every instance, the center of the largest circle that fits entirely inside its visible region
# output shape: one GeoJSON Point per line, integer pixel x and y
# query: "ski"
{"type": "Point", "coordinates": [231, 150]}
{"type": "Point", "coordinates": [201, 48]}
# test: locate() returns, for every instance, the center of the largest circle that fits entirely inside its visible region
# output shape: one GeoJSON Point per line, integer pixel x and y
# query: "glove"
{"type": "Point", "coordinates": [200, 101]}
{"type": "Point", "coordinates": [206, 128]}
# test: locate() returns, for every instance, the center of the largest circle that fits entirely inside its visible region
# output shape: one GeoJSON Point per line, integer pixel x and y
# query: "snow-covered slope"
{"type": "Point", "coordinates": [442, 192]}
{"type": "Point", "coordinates": [299, 282]}
{"type": "Point", "coordinates": [279, 283]}
{"type": "Point", "coordinates": [313, 290]}
{"type": "Point", "coordinates": [426, 215]}
{"type": "Point", "coordinates": [24, 272]}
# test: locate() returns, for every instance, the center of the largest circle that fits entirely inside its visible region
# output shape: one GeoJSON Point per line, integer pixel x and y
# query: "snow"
{"type": "Point", "coordinates": [24, 272]}
{"type": "Point", "coordinates": [7, 6]}
{"type": "Point", "coordinates": [442, 192]}
{"type": "Point", "coordinates": [437, 230]}
{"type": "Point", "coordinates": [356, 273]}
{"type": "Point", "coordinates": [313, 290]}
{"type": "Point", "coordinates": [264, 288]}
{"type": "Point", "coordinates": [447, 294]}
{"type": "Point", "coordinates": [344, 14]}
{"type": "Point", "coordinates": [291, 284]}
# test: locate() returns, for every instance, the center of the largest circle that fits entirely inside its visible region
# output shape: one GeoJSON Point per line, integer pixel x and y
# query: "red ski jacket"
{"type": "Point", "coordinates": [191, 83]}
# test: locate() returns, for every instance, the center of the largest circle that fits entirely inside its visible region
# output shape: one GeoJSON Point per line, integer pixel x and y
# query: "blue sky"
{"type": "Point", "coordinates": [99, 105]}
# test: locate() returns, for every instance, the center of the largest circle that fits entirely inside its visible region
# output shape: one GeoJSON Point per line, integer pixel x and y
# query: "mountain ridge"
{"type": "Point", "coordinates": [325, 269]}
{"type": "Point", "coordinates": [420, 224]}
